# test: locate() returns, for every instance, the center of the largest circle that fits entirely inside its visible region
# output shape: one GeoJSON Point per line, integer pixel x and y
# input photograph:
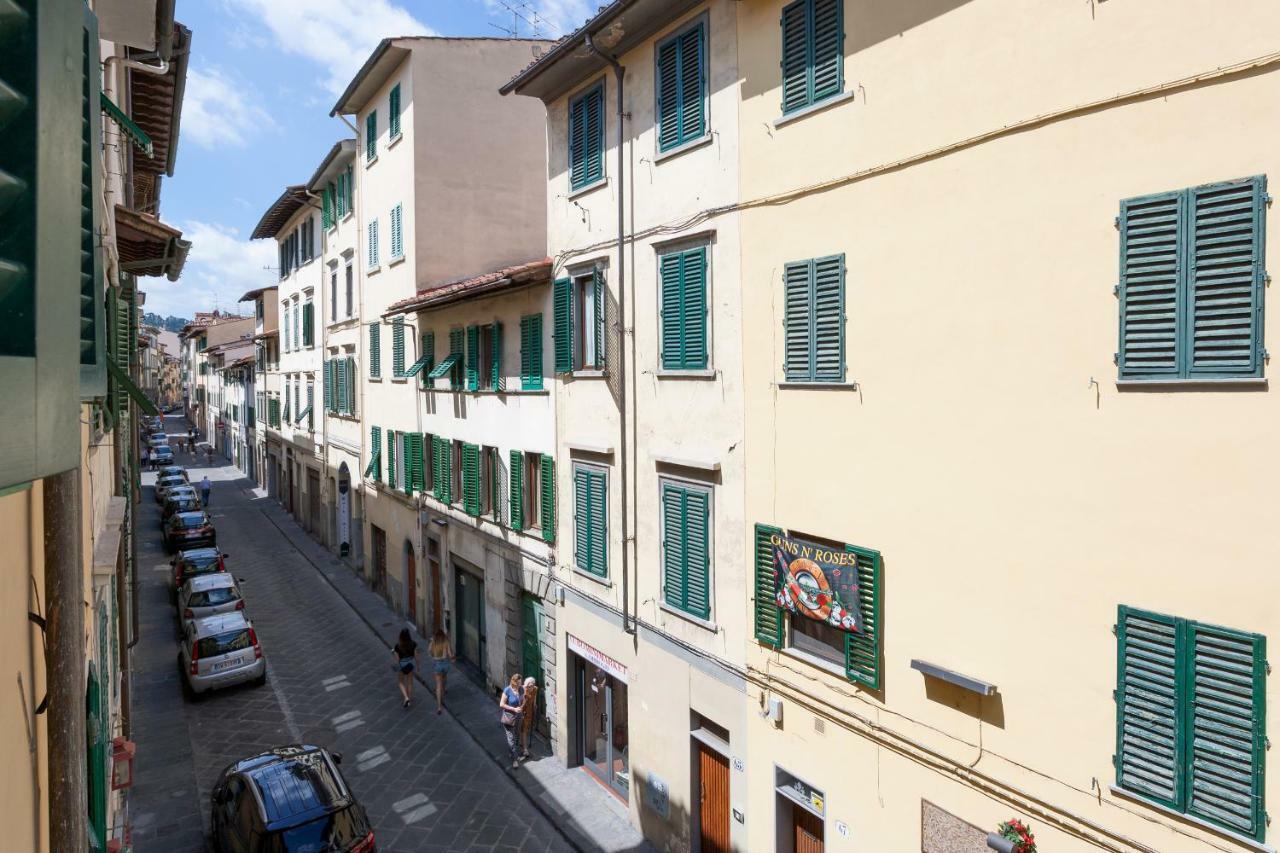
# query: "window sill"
{"type": "Point", "coordinates": [394, 261]}
{"type": "Point", "coordinates": [1246, 383]}
{"type": "Point", "coordinates": [705, 139]}
{"type": "Point", "coordinates": [780, 121]}
{"type": "Point", "coordinates": [345, 217]}
{"type": "Point", "coordinates": [491, 393]}
{"type": "Point", "coordinates": [685, 374]}
{"type": "Point", "coordinates": [392, 143]}
{"type": "Point", "coordinates": [590, 374]}
{"type": "Point", "coordinates": [370, 161]}
{"type": "Point", "coordinates": [689, 617]}
{"type": "Point", "coordinates": [583, 190]}
{"type": "Point", "coordinates": [1251, 843]}
{"type": "Point", "coordinates": [400, 380]}
{"type": "Point", "coordinates": [821, 386]}
{"type": "Point", "coordinates": [594, 578]}
{"type": "Point", "coordinates": [375, 378]}
{"type": "Point", "coordinates": [373, 269]}
{"type": "Point", "coordinates": [813, 660]}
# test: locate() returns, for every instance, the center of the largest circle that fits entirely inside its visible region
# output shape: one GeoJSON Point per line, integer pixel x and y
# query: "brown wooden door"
{"type": "Point", "coordinates": [713, 772]}
{"type": "Point", "coordinates": [437, 618]}
{"type": "Point", "coordinates": [379, 559]}
{"type": "Point", "coordinates": [411, 582]}
{"type": "Point", "coordinates": [808, 831]}
{"type": "Point", "coordinates": [313, 501]}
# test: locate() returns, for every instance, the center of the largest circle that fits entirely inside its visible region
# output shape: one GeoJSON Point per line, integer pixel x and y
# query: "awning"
{"type": "Point", "coordinates": [122, 379]}
{"type": "Point", "coordinates": [148, 246]}
{"type": "Point", "coordinates": [418, 365]}
{"type": "Point", "coordinates": [137, 134]}
{"type": "Point", "coordinates": [445, 366]}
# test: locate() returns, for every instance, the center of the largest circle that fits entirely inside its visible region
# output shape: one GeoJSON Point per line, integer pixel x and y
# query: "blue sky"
{"type": "Point", "coordinates": [263, 76]}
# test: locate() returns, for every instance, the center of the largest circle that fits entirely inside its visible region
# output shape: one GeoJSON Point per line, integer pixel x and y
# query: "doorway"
{"type": "Point", "coordinates": [713, 806]}
{"type": "Point", "coordinates": [379, 579]}
{"type": "Point", "coordinates": [313, 501]}
{"type": "Point", "coordinates": [433, 568]}
{"type": "Point", "coordinates": [800, 815]}
{"type": "Point", "coordinates": [602, 725]}
{"type": "Point", "coordinates": [469, 639]}
{"type": "Point", "coordinates": [410, 583]}
{"type": "Point", "coordinates": [531, 628]}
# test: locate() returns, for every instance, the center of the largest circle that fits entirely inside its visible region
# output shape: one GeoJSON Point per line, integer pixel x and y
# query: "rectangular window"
{"type": "Point", "coordinates": [683, 293]}
{"type": "Point", "coordinates": [590, 520]}
{"type": "Point", "coordinates": [812, 53]}
{"type": "Point", "coordinates": [443, 469]}
{"type": "Point", "coordinates": [341, 203]}
{"type": "Point", "coordinates": [487, 354]}
{"type": "Point", "coordinates": [397, 237]}
{"type": "Point", "coordinates": [426, 360]}
{"type": "Point", "coordinates": [686, 548]}
{"type": "Point", "coordinates": [455, 470]}
{"type": "Point", "coordinates": [814, 320]}
{"type": "Point", "coordinates": [428, 463]}
{"type": "Point", "coordinates": [682, 88]}
{"type": "Point", "coordinates": [586, 138]}
{"type": "Point", "coordinates": [297, 325]}
{"type": "Point", "coordinates": [373, 243]}
{"type": "Point", "coordinates": [375, 351]}
{"type": "Point", "coordinates": [490, 491]}
{"type": "Point", "coordinates": [351, 287]}
{"type": "Point", "coordinates": [397, 347]}
{"type": "Point", "coordinates": [1190, 718]}
{"type": "Point", "coordinates": [333, 295]}
{"type": "Point", "coordinates": [531, 352]}
{"type": "Point", "coordinates": [532, 491]}
{"type": "Point", "coordinates": [455, 353]}
{"type": "Point", "coordinates": [308, 324]}
{"type": "Point", "coordinates": [393, 111]}
{"type": "Point", "coordinates": [590, 311]}
{"type": "Point", "coordinates": [371, 137]}
{"type": "Point", "coordinates": [1192, 279]}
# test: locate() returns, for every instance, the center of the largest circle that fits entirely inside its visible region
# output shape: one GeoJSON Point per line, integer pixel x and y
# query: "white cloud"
{"type": "Point", "coordinates": [218, 112]}
{"type": "Point", "coordinates": [337, 35]}
{"type": "Point", "coordinates": [221, 267]}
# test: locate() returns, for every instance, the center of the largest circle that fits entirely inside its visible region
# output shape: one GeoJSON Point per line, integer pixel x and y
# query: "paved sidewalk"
{"type": "Point", "coordinates": [589, 816]}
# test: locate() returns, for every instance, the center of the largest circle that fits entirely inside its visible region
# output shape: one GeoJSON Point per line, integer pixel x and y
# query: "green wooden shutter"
{"type": "Point", "coordinates": [547, 504]}
{"type": "Point", "coordinates": [862, 651]}
{"type": "Point", "coordinates": [598, 290]}
{"type": "Point", "coordinates": [375, 350]}
{"type": "Point", "coordinates": [684, 309]}
{"type": "Point", "coordinates": [495, 483]}
{"type": "Point", "coordinates": [668, 96]}
{"type": "Point", "coordinates": [828, 49]}
{"type": "Point", "coordinates": [455, 349]}
{"type": "Point", "coordinates": [473, 358]}
{"type": "Point", "coordinates": [593, 126]}
{"type": "Point", "coordinates": [495, 358]}
{"type": "Point", "coordinates": [1225, 738]}
{"type": "Point", "coordinates": [96, 759]}
{"type": "Point", "coordinates": [828, 319]}
{"type": "Point", "coordinates": [681, 88]}
{"type": "Point", "coordinates": [419, 483]}
{"type": "Point", "coordinates": [797, 322]}
{"type": "Point", "coordinates": [393, 111]}
{"type": "Point", "coordinates": [397, 347]}
{"type": "Point", "coordinates": [562, 321]}
{"type": "Point", "coordinates": [340, 385]}
{"type": "Point", "coordinates": [581, 519]}
{"type": "Point", "coordinates": [531, 352]}
{"type": "Point", "coordinates": [686, 567]}
{"type": "Point", "coordinates": [437, 475]}
{"type": "Point", "coordinates": [446, 470]}
{"type": "Point", "coordinates": [471, 479]}
{"type": "Point", "coordinates": [795, 56]}
{"type": "Point", "coordinates": [598, 524]}
{"type": "Point", "coordinates": [429, 351]}
{"type": "Point", "coordinates": [308, 324]}
{"type": "Point", "coordinates": [391, 458]}
{"type": "Point", "coordinates": [93, 336]}
{"type": "Point", "coordinates": [517, 490]}
{"type": "Point", "coordinates": [812, 52]}
{"type": "Point", "coordinates": [328, 385]}
{"type": "Point", "coordinates": [371, 136]}
{"type": "Point", "coordinates": [1150, 270]}
{"type": "Point", "coordinates": [768, 616]}
{"type": "Point", "coordinates": [375, 453]}
{"type": "Point", "coordinates": [397, 236]}
{"type": "Point", "coordinates": [342, 194]}
{"type": "Point", "coordinates": [671, 277]}
{"type": "Point", "coordinates": [1149, 726]}
{"type": "Point", "coordinates": [373, 243]}
{"type": "Point", "coordinates": [412, 462]}
{"type": "Point", "coordinates": [326, 209]}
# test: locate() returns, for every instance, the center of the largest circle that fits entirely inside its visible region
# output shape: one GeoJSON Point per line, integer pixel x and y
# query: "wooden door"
{"type": "Point", "coordinates": [713, 773]}
{"type": "Point", "coordinates": [379, 559]}
{"type": "Point", "coordinates": [411, 582]}
{"type": "Point", "coordinates": [313, 500]}
{"type": "Point", "coordinates": [531, 618]}
{"type": "Point", "coordinates": [808, 831]}
{"type": "Point", "coordinates": [433, 565]}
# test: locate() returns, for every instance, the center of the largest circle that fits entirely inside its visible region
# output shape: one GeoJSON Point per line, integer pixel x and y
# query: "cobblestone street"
{"type": "Point", "coordinates": [426, 784]}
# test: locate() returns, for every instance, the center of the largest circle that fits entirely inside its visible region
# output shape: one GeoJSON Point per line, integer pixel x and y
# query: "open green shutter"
{"type": "Point", "coordinates": [562, 307]}
{"type": "Point", "coordinates": [517, 490]}
{"type": "Point", "coordinates": [1226, 738]}
{"type": "Point", "coordinates": [598, 292]}
{"type": "Point", "coordinates": [531, 352]}
{"type": "Point", "coordinates": [429, 353]}
{"type": "Point", "coordinates": [328, 385]}
{"type": "Point", "coordinates": [828, 319]}
{"type": "Point", "coordinates": [446, 468]}
{"type": "Point", "coordinates": [397, 347]}
{"type": "Point", "coordinates": [391, 458]}
{"type": "Point", "coordinates": [1149, 725]}
{"type": "Point", "coordinates": [375, 454]}
{"type": "Point", "coordinates": [1151, 267]}
{"type": "Point", "coordinates": [495, 357]}
{"type": "Point", "coordinates": [768, 616]}
{"type": "Point", "coordinates": [342, 195]}
{"type": "Point", "coordinates": [547, 504]}
{"type": "Point", "coordinates": [437, 477]}
{"type": "Point", "coordinates": [473, 358]}
{"type": "Point", "coordinates": [862, 650]}
{"type": "Point", "coordinates": [371, 136]}
{"type": "Point", "coordinates": [375, 350]}
{"type": "Point", "coordinates": [326, 210]}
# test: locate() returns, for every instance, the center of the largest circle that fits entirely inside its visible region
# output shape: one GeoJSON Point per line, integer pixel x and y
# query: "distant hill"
{"type": "Point", "coordinates": [169, 324]}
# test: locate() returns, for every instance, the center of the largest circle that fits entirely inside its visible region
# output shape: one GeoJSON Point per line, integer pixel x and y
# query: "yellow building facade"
{"type": "Point", "coordinates": [1003, 273]}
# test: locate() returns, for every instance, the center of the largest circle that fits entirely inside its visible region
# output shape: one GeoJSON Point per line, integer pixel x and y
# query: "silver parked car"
{"type": "Point", "coordinates": [164, 484]}
{"type": "Point", "coordinates": [219, 651]}
{"type": "Point", "coordinates": [209, 595]}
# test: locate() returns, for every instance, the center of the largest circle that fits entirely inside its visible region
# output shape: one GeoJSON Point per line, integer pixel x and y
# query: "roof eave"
{"type": "Point", "coordinates": [344, 106]}
{"type": "Point", "coordinates": [339, 149]}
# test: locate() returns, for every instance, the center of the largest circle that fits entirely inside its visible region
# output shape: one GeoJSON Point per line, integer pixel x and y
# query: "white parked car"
{"type": "Point", "coordinates": [209, 595]}
{"type": "Point", "coordinates": [172, 481]}
{"type": "Point", "coordinates": [219, 651]}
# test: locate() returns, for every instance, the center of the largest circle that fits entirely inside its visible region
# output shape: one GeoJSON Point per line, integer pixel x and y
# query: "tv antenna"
{"type": "Point", "coordinates": [520, 12]}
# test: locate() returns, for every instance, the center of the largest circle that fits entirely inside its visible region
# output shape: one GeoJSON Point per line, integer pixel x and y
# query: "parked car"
{"type": "Point", "coordinates": [179, 500]}
{"type": "Point", "coordinates": [294, 799]}
{"type": "Point", "coordinates": [162, 455]}
{"type": "Point", "coordinates": [209, 595]}
{"type": "Point", "coordinates": [195, 561]}
{"type": "Point", "coordinates": [219, 651]}
{"type": "Point", "coordinates": [173, 471]}
{"type": "Point", "coordinates": [163, 484]}
{"type": "Point", "coordinates": [192, 529]}
{"type": "Point", "coordinates": [158, 439]}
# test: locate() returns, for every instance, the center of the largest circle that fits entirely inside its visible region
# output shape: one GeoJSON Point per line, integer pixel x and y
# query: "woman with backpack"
{"type": "Point", "coordinates": [405, 652]}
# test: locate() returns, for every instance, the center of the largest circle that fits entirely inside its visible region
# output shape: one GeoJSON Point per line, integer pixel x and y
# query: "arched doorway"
{"type": "Point", "coordinates": [410, 582]}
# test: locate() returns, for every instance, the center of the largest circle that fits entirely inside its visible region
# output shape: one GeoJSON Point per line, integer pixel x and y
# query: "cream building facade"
{"type": "Point", "coordinates": [1003, 282]}
{"type": "Point", "coordinates": [267, 387]}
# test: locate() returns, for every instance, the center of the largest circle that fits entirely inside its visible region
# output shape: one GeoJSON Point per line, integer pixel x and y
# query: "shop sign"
{"type": "Point", "coordinates": [597, 657]}
{"type": "Point", "coordinates": [817, 582]}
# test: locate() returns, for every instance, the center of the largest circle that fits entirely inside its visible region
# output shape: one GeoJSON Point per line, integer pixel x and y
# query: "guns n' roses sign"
{"type": "Point", "coordinates": [817, 582]}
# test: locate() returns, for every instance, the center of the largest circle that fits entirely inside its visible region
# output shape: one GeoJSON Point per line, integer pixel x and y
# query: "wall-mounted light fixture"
{"type": "Point", "coordinates": [965, 682]}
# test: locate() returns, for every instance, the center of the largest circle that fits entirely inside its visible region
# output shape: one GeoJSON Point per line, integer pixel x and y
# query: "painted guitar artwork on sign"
{"type": "Point", "coordinates": [816, 582]}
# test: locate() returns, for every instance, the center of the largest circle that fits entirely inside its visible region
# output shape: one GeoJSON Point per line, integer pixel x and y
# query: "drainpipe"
{"type": "Point", "coordinates": [622, 332]}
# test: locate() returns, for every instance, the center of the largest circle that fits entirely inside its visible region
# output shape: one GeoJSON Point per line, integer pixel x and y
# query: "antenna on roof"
{"type": "Point", "coordinates": [517, 15]}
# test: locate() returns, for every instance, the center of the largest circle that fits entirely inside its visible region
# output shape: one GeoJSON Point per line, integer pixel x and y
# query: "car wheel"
{"type": "Point", "coordinates": [261, 680]}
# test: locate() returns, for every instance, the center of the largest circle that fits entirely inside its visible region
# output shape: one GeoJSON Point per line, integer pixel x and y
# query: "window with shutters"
{"type": "Point", "coordinates": [308, 324]}
{"type": "Point", "coordinates": [685, 523]}
{"type": "Point", "coordinates": [531, 352]}
{"type": "Point", "coordinates": [397, 347]}
{"type": "Point", "coordinates": [333, 294]}
{"type": "Point", "coordinates": [471, 483]}
{"type": "Point", "coordinates": [374, 468]}
{"type": "Point", "coordinates": [814, 320]}
{"type": "Point", "coordinates": [397, 232]}
{"type": "Point", "coordinates": [532, 480]}
{"type": "Point", "coordinates": [372, 259]}
{"type": "Point", "coordinates": [375, 351]}
{"type": "Point", "coordinates": [683, 317]}
{"type": "Point", "coordinates": [371, 137]}
{"type": "Point", "coordinates": [484, 358]}
{"type": "Point", "coordinates": [428, 463]}
{"type": "Point", "coordinates": [490, 489]}
{"type": "Point", "coordinates": [1191, 718]}
{"type": "Point", "coordinates": [581, 307]}
{"type": "Point", "coordinates": [351, 287]}
{"type": "Point", "coordinates": [1192, 280]}
{"type": "Point", "coordinates": [455, 471]}
{"type": "Point", "coordinates": [330, 206]}
{"type": "Point", "coordinates": [812, 53]}
{"type": "Point", "coordinates": [681, 87]}
{"type": "Point", "coordinates": [586, 138]}
{"type": "Point", "coordinates": [591, 520]}
{"type": "Point", "coordinates": [340, 204]}
{"type": "Point", "coordinates": [547, 497]}
{"type": "Point", "coordinates": [393, 113]}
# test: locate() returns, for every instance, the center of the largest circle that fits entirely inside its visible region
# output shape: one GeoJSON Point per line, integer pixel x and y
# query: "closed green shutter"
{"type": "Point", "coordinates": [814, 320]}
{"type": "Point", "coordinates": [581, 519]}
{"type": "Point", "coordinates": [517, 490]}
{"type": "Point", "coordinates": [684, 309]}
{"type": "Point", "coordinates": [768, 616]}
{"type": "Point", "coordinates": [397, 235]}
{"type": "Point", "coordinates": [681, 88]}
{"type": "Point", "coordinates": [342, 195]}
{"type": "Point", "coordinates": [328, 385]}
{"type": "Point", "coordinates": [397, 347]}
{"type": "Point", "coordinates": [828, 48]}
{"type": "Point", "coordinates": [437, 471]}
{"type": "Point", "coordinates": [586, 138]}
{"type": "Point", "coordinates": [562, 320]}
{"type": "Point", "coordinates": [393, 111]}
{"type": "Point", "coordinates": [473, 358]}
{"type": "Point", "coordinates": [429, 353]}
{"type": "Point", "coordinates": [371, 136]}
{"type": "Point", "coordinates": [1150, 270]}
{"type": "Point", "coordinates": [375, 350]}
{"type": "Point", "coordinates": [547, 504]}
{"type": "Point", "coordinates": [531, 352]}
{"type": "Point", "coordinates": [1149, 730]}
{"type": "Point", "coordinates": [391, 458]}
{"type": "Point", "coordinates": [375, 454]}
{"type": "Point", "coordinates": [597, 524]}
{"type": "Point", "coordinates": [495, 357]}
{"type": "Point", "coordinates": [340, 386]}
{"type": "Point", "coordinates": [795, 56]}
{"type": "Point", "coordinates": [373, 243]}
{"type": "Point", "coordinates": [326, 209]}
{"type": "Point", "coordinates": [686, 565]}
{"type": "Point", "coordinates": [812, 52]}
{"type": "Point", "coordinates": [471, 479]}
{"type": "Point", "coordinates": [413, 480]}
{"type": "Point", "coordinates": [862, 650]}
{"type": "Point", "coordinates": [446, 470]}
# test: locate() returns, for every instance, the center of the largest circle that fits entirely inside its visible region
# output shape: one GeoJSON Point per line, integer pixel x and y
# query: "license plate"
{"type": "Point", "coordinates": [227, 664]}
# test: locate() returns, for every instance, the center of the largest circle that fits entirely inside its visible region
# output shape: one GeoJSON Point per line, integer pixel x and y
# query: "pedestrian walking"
{"type": "Point", "coordinates": [528, 715]}
{"type": "Point", "coordinates": [510, 705]}
{"type": "Point", "coordinates": [205, 488]}
{"type": "Point", "coordinates": [405, 652]}
{"type": "Point", "coordinates": [146, 457]}
{"type": "Point", "coordinates": [441, 657]}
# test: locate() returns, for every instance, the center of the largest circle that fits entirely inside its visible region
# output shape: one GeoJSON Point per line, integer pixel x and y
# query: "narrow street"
{"type": "Point", "coordinates": [426, 785]}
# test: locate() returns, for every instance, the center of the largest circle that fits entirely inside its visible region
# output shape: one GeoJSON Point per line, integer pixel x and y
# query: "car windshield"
{"type": "Point", "coordinates": [336, 831]}
{"type": "Point", "coordinates": [212, 597]}
{"type": "Point", "coordinates": [185, 503]}
{"type": "Point", "coordinates": [170, 480]}
{"type": "Point", "coordinates": [190, 519]}
{"type": "Point", "coordinates": [222, 644]}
